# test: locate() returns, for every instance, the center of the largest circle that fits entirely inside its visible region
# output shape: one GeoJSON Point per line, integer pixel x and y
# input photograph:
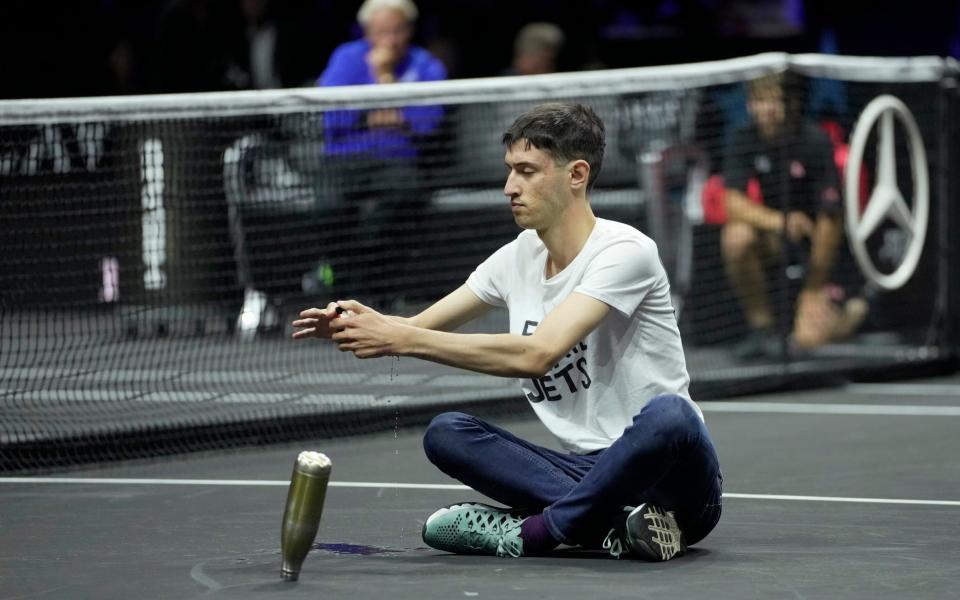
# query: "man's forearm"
{"type": "Point", "coordinates": [742, 209]}
{"type": "Point", "coordinates": [424, 320]}
{"type": "Point", "coordinates": [502, 354]}
{"type": "Point", "coordinates": [453, 310]}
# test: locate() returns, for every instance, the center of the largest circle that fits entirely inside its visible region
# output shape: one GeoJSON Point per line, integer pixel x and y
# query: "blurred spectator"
{"type": "Point", "coordinates": [383, 56]}
{"type": "Point", "coordinates": [130, 39]}
{"type": "Point", "coordinates": [261, 38]}
{"type": "Point", "coordinates": [192, 53]}
{"type": "Point", "coordinates": [371, 168]}
{"type": "Point", "coordinates": [536, 49]}
{"type": "Point", "coordinates": [208, 45]}
{"type": "Point", "coordinates": [782, 199]}
{"type": "Point", "coordinates": [277, 45]}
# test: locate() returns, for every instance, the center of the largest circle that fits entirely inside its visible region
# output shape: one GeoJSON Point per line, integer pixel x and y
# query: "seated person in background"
{"type": "Point", "coordinates": [781, 160]}
{"type": "Point", "coordinates": [370, 173]}
{"type": "Point", "coordinates": [384, 55]}
{"type": "Point", "coordinates": [535, 49]}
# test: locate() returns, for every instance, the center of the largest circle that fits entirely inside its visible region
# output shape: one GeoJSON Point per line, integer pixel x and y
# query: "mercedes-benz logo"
{"type": "Point", "coordinates": [886, 199]}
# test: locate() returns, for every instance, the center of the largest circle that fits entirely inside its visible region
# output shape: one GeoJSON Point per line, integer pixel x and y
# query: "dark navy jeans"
{"type": "Point", "coordinates": [665, 457]}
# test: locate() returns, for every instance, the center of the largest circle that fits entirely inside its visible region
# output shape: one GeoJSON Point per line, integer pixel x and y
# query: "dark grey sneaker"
{"type": "Point", "coordinates": [647, 532]}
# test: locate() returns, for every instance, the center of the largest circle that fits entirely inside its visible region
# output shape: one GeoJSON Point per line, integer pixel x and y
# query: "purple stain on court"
{"type": "Point", "coordinates": [354, 549]}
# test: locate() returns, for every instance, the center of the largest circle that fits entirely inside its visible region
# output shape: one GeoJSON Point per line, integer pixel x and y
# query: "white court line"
{"type": "Point", "coordinates": [905, 389]}
{"type": "Point", "coordinates": [843, 499]}
{"type": "Point", "coordinates": [896, 410]}
{"type": "Point", "coordinates": [433, 486]}
{"type": "Point", "coordinates": [228, 482]}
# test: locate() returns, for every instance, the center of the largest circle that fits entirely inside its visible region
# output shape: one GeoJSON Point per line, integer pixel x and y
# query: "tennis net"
{"type": "Point", "coordinates": [157, 247]}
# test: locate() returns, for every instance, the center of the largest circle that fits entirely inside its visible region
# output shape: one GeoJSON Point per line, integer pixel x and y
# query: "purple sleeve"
{"type": "Point", "coordinates": [425, 119]}
{"type": "Point", "coordinates": [342, 69]}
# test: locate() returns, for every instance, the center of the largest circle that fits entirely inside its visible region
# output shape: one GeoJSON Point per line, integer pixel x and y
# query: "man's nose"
{"type": "Point", "coordinates": [510, 188]}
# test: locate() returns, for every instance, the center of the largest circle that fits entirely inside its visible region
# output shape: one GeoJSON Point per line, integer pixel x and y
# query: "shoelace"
{"type": "Point", "coordinates": [666, 538]}
{"type": "Point", "coordinates": [512, 547]}
{"type": "Point", "coordinates": [613, 544]}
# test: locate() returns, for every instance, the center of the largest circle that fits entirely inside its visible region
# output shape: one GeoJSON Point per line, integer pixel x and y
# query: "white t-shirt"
{"type": "Point", "coordinates": [588, 398]}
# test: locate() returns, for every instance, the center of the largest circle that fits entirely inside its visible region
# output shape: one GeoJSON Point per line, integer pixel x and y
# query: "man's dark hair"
{"type": "Point", "coordinates": [564, 131]}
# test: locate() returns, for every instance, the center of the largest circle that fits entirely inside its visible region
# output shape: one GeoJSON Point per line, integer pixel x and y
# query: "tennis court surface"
{"type": "Point", "coordinates": [845, 492]}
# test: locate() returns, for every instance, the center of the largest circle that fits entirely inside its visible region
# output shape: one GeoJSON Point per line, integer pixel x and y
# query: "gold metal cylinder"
{"type": "Point", "coordinates": [301, 516]}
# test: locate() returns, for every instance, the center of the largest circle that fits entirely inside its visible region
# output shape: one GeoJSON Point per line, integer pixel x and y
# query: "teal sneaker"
{"type": "Point", "coordinates": [648, 532]}
{"type": "Point", "coordinates": [474, 528]}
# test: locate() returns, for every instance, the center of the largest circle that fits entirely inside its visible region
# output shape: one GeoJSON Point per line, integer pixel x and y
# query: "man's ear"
{"type": "Point", "coordinates": [579, 174]}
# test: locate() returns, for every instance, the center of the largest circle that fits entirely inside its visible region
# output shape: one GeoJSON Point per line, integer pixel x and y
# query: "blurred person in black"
{"type": "Point", "coordinates": [782, 196]}
{"type": "Point", "coordinates": [214, 45]}
{"type": "Point", "coordinates": [279, 44]}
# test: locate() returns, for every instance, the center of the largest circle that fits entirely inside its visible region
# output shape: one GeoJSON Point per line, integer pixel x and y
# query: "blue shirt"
{"type": "Point", "coordinates": [346, 131]}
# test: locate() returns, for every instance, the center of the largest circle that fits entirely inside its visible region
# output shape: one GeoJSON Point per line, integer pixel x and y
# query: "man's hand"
{"type": "Point", "coordinates": [382, 60]}
{"type": "Point", "coordinates": [365, 332]}
{"type": "Point", "coordinates": [798, 226]}
{"type": "Point", "coordinates": [315, 322]}
{"type": "Point", "coordinates": [386, 117]}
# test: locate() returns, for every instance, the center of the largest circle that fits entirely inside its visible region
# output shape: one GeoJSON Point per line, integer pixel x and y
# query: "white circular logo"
{"type": "Point", "coordinates": [886, 199]}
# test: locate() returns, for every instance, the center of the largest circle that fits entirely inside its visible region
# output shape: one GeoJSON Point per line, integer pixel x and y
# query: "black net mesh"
{"type": "Point", "coordinates": [155, 250]}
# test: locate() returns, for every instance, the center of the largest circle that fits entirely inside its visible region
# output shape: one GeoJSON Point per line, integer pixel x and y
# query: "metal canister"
{"type": "Point", "coordinates": [301, 516]}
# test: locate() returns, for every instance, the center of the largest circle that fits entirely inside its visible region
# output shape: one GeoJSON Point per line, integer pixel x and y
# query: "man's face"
{"type": "Point", "coordinates": [768, 110]}
{"type": "Point", "coordinates": [389, 28]}
{"type": "Point", "coordinates": [538, 188]}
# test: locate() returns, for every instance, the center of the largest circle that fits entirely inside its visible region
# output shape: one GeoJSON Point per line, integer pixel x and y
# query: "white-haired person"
{"type": "Point", "coordinates": [371, 176]}
{"type": "Point", "coordinates": [383, 55]}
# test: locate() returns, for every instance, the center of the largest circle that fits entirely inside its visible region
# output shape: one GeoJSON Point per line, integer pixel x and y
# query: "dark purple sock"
{"type": "Point", "coordinates": [537, 539]}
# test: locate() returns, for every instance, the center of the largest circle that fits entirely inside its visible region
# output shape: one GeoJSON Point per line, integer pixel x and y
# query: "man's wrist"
{"type": "Point", "coordinates": [404, 341]}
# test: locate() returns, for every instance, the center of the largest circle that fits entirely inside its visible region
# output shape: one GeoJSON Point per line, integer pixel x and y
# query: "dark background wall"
{"type": "Point", "coordinates": [95, 47]}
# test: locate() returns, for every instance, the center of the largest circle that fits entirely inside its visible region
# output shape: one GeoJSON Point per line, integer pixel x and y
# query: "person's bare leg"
{"type": "Point", "coordinates": [819, 320]}
{"type": "Point", "coordinates": [743, 263]}
{"type": "Point", "coordinates": [816, 317]}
